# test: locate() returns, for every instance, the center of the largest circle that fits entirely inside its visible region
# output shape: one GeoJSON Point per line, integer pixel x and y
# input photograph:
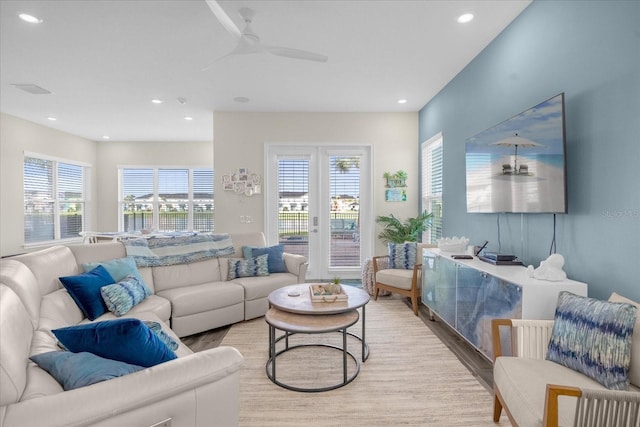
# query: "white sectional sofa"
{"type": "Point", "coordinates": [196, 389]}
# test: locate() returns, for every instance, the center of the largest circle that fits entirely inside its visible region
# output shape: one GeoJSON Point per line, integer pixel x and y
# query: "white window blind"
{"type": "Point", "coordinates": [431, 158]}
{"type": "Point", "coordinates": [54, 199]}
{"type": "Point", "coordinates": [167, 199]}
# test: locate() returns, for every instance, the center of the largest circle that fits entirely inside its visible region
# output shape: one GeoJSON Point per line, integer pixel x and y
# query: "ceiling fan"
{"type": "Point", "coordinates": [249, 42]}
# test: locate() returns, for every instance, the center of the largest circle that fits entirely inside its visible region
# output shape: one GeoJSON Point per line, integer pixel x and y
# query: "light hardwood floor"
{"type": "Point", "coordinates": [477, 364]}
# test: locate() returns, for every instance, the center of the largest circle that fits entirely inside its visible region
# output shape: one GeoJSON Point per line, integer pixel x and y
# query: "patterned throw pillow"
{"type": "Point", "coordinates": [156, 328]}
{"type": "Point", "coordinates": [124, 295]}
{"type": "Point", "coordinates": [239, 267]}
{"type": "Point", "coordinates": [402, 255]}
{"type": "Point", "coordinates": [593, 337]}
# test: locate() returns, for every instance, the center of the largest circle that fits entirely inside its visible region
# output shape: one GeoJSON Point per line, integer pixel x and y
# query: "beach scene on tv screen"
{"type": "Point", "coordinates": [518, 165]}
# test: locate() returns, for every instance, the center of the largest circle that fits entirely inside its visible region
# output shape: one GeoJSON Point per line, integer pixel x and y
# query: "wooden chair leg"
{"type": "Point", "coordinates": [414, 304]}
{"type": "Point", "coordinates": [497, 408]}
{"type": "Point", "coordinates": [375, 293]}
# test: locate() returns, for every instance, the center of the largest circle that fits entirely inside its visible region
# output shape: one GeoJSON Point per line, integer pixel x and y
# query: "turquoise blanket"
{"type": "Point", "coordinates": [159, 251]}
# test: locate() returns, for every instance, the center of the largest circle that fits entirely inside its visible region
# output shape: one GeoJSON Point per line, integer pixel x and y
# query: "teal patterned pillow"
{"type": "Point", "coordinates": [124, 295]}
{"type": "Point", "coordinates": [156, 328]}
{"type": "Point", "coordinates": [402, 255]}
{"type": "Point", "coordinates": [593, 337]}
{"type": "Point", "coordinates": [239, 267]}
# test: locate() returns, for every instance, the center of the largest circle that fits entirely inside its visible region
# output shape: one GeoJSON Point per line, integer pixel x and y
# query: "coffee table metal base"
{"type": "Point", "coordinates": [291, 323]}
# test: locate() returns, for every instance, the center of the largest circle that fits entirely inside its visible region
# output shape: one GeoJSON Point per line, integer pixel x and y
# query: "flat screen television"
{"type": "Point", "coordinates": [519, 165]}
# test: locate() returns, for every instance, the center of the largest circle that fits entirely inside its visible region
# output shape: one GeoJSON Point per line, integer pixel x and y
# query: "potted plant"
{"type": "Point", "coordinates": [396, 231]}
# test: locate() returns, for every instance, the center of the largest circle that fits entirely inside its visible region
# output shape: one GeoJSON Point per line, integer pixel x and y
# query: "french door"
{"type": "Point", "coordinates": [318, 204]}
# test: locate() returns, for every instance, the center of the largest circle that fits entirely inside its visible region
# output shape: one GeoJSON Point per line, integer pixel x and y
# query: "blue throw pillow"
{"type": "Point", "coordinates": [402, 255]}
{"type": "Point", "coordinates": [85, 290]}
{"type": "Point", "coordinates": [73, 370]}
{"type": "Point", "coordinates": [593, 337]}
{"type": "Point", "coordinates": [251, 267]}
{"type": "Point", "coordinates": [126, 340]}
{"type": "Point", "coordinates": [119, 268]}
{"type": "Point", "coordinates": [124, 295]}
{"type": "Point", "coordinates": [275, 261]}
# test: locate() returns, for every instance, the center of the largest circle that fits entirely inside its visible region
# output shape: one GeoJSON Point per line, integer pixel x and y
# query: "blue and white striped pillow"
{"type": "Point", "coordinates": [124, 295]}
{"type": "Point", "coordinates": [593, 337]}
{"type": "Point", "coordinates": [402, 255]}
{"type": "Point", "coordinates": [239, 267]}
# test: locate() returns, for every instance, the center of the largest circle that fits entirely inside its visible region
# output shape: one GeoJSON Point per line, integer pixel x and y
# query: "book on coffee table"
{"type": "Point", "coordinates": [327, 292]}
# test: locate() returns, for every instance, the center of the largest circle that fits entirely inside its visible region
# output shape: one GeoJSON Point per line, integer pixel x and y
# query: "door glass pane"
{"type": "Point", "coordinates": [293, 205]}
{"type": "Point", "coordinates": [344, 184]}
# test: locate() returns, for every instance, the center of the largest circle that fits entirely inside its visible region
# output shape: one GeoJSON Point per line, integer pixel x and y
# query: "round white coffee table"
{"type": "Point", "coordinates": [297, 299]}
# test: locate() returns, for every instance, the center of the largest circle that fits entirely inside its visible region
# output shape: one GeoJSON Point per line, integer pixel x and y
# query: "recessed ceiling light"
{"type": "Point", "coordinates": [157, 101]}
{"type": "Point", "coordinates": [241, 99]}
{"type": "Point", "coordinates": [29, 18]}
{"type": "Point", "coordinates": [53, 119]}
{"type": "Point", "coordinates": [465, 17]}
{"type": "Point", "coordinates": [106, 137]}
{"type": "Point", "coordinates": [402, 101]}
{"type": "Point", "coordinates": [188, 118]}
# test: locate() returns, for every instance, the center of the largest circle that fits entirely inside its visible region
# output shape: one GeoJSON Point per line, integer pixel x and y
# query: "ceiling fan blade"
{"type": "Point", "coordinates": [224, 19]}
{"type": "Point", "coordinates": [295, 53]}
{"type": "Point", "coordinates": [244, 47]}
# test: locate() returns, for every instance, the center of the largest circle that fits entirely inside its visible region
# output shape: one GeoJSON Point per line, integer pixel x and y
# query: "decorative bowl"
{"type": "Point", "coordinates": [453, 244]}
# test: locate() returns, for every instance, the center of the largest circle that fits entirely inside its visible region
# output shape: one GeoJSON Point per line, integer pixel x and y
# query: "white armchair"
{"type": "Point", "coordinates": [537, 392]}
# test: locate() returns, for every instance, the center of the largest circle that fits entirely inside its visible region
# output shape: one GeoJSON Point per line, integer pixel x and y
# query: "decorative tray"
{"type": "Point", "coordinates": [327, 292]}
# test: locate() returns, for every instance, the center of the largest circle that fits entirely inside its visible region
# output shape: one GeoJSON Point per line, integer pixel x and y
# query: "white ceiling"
{"type": "Point", "coordinates": [105, 60]}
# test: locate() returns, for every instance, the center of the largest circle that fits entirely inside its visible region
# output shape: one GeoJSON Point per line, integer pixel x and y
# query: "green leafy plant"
{"type": "Point", "coordinates": [336, 280]}
{"type": "Point", "coordinates": [396, 231]}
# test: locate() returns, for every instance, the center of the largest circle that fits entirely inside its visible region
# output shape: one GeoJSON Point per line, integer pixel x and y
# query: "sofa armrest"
{"type": "Point", "coordinates": [296, 264]}
{"type": "Point", "coordinates": [109, 399]}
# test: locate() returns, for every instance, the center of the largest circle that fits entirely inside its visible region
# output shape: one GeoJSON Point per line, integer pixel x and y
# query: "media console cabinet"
{"type": "Point", "coordinates": [467, 294]}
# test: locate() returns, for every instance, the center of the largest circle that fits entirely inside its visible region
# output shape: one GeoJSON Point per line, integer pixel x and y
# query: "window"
{"type": "Point", "coordinates": [167, 199]}
{"type": "Point", "coordinates": [431, 159]}
{"type": "Point", "coordinates": [54, 199]}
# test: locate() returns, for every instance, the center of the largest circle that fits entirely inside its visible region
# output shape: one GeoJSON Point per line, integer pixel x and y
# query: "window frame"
{"type": "Point", "coordinates": [428, 196]}
{"type": "Point", "coordinates": [156, 202]}
{"type": "Point", "coordinates": [56, 200]}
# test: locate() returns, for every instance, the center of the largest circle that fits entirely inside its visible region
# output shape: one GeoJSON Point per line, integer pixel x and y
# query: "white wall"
{"type": "Point", "coordinates": [16, 137]}
{"type": "Point", "coordinates": [239, 140]}
{"type": "Point", "coordinates": [114, 154]}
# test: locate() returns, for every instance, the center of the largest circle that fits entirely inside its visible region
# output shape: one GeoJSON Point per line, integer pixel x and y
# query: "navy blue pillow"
{"type": "Point", "coordinates": [73, 370]}
{"type": "Point", "coordinates": [85, 290]}
{"type": "Point", "coordinates": [127, 340]}
{"type": "Point", "coordinates": [275, 260]}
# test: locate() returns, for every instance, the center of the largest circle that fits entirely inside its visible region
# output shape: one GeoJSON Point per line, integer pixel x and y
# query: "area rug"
{"type": "Point", "coordinates": [410, 378]}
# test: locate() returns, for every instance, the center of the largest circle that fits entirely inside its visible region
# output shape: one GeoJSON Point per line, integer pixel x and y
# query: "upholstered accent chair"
{"type": "Point", "coordinates": [397, 274]}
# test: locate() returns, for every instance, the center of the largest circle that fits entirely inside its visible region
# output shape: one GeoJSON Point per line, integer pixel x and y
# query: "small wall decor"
{"type": "Point", "coordinates": [242, 182]}
{"type": "Point", "coordinates": [396, 186]}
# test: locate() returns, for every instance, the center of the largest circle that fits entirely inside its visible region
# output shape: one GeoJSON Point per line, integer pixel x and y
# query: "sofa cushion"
{"type": "Point", "coordinates": [182, 275]}
{"type": "Point", "coordinates": [239, 267]}
{"type": "Point", "coordinates": [58, 309]}
{"type": "Point", "coordinates": [202, 298]}
{"type": "Point", "coordinates": [85, 290]}
{"type": "Point", "coordinates": [124, 295]}
{"type": "Point", "coordinates": [275, 261]}
{"type": "Point", "coordinates": [593, 337]}
{"type": "Point", "coordinates": [48, 265]}
{"type": "Point", "coordinates": [74, 370]}
{"type": "Point", "coordinates": [261, 287]}
{"type": "Point", "coordinates": [398, 278]}
{"type": "Point", "coordinates": [126, 340]}
{"type": "Point", "coordinates": [21, 280]}
{"type": "Point", "coordinates": [634, 366]}
{"type": "Point", "coordinates": [118, 268]}
{"type": "Point", "coordinates": [402, 255]}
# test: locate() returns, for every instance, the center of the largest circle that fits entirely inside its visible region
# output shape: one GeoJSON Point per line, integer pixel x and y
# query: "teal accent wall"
{"type": "Point", "coordinates": [590, 50]}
